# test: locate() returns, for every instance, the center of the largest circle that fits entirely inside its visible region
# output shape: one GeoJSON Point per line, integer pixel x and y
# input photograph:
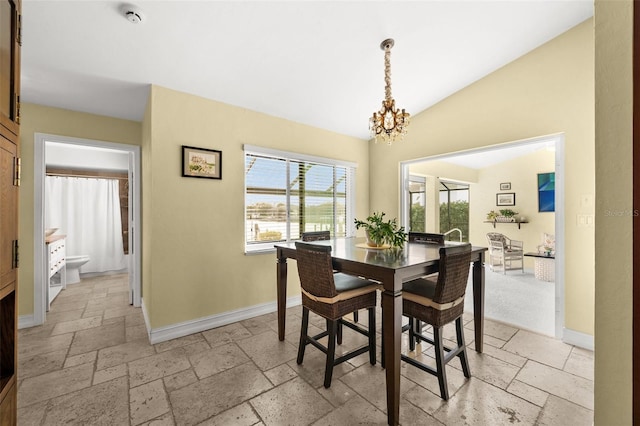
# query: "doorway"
{"type": "Point", "coordinates": [555, 142]}
{"type": "Point", "coordinates": [95, 149]}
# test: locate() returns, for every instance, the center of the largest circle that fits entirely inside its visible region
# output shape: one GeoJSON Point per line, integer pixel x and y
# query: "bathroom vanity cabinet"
{"type": "Point", "coordinates": [56, 266]}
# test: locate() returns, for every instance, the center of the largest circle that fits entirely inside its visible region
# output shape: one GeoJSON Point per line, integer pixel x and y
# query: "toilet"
{"type": "Point", "coordinates": [73, 267]}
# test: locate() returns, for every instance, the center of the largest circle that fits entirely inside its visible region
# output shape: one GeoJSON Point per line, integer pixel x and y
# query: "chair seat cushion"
{"type": "Point", "coordinates": [346, 282]}
{"type": "Point", "coordinates": [424, 287]}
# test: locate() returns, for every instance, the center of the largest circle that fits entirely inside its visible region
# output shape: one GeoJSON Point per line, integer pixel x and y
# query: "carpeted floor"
{"type": "Point", "coordinates": [518, 299]}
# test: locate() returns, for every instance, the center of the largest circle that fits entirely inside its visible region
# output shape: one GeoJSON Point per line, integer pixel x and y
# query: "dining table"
{"type": "Point", "coordinates": [391, 267]}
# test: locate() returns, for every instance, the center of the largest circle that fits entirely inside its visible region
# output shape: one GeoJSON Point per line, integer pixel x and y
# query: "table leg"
{"type": "Point", "coordinates": [392, 329]}
{"type": "Point", "coordinates": [281, 282]}
{"type": "Point", "coordinates": [478, 301]}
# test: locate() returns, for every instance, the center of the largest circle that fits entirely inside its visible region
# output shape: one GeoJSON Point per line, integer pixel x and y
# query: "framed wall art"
{"type": "Point", "coordinates": [547, 192]}
{"type": "Point", "coordinates": [506, 186]}
{"type": "Point", "coordinates": [506, 199]}
{"type": "Point", "coordinates": [201, 162]}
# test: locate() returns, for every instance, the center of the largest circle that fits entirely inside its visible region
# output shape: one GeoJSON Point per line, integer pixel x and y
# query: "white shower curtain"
{"type": "Point", "coordinates": [87, 210]}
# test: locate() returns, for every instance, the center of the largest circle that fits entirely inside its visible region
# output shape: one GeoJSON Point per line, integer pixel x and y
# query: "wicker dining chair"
{"type": "Point", "coordinates": [311, 236]}
{"type": "Point", "coordinates": [316, 236]}
{"type": "Point", "coordinates": [439, 302]}
{"type": "Point", "coordinates": [426, 238]}
{"type": "Point", "coordinates": [332, 296]}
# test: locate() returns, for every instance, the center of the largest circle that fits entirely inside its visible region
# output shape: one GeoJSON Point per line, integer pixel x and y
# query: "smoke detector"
{"type": "Point", "coordinates": [133, 14]}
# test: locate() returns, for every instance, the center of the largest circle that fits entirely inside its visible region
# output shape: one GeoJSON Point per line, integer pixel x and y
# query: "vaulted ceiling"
{"type": "Point", "coordinates": [313, 62]}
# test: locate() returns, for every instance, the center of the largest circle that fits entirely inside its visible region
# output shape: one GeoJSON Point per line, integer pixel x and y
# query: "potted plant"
{"type": "Point", "coordinates": [492, 215]}
{"type": "Point", "coordinates": [380, 232]}
{"type": "Point", "coordinates": [508, 214]}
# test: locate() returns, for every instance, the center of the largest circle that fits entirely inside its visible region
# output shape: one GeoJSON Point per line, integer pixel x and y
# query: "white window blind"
{"type": "Point", "coordinates": [287, 194]}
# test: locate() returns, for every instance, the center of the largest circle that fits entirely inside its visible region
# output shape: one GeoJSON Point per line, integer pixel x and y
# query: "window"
{"type": "Point", "coordinates": [417, 206]}
{"type": "Point", "coordinates": [454, 210]}
{"type": "Point", "coordinates": [287, 194]}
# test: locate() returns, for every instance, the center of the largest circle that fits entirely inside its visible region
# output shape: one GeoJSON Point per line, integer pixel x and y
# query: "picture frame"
{"type": "Point", "coordinates": [201, 162]}
{"type": "Point", "coordinates": [506, 186]}
{"type": "Point", "coordinates": [546, 192]}
{"type": "Point", "coordinates": [506, 199]}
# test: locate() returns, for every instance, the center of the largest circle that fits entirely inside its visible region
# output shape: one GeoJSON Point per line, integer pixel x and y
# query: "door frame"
{"type": "Point", "coordinates": [558, 140]}
{"type": "Point", "coordinates": [39, 290]}
{"type": "Point", "coordinates": [636, 220]}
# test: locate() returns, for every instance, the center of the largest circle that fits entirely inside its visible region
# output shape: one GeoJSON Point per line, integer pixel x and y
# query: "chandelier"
{"type": "Point", "coordinates": [389, 124]}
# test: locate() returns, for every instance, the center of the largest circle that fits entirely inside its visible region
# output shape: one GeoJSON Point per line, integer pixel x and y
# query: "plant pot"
{"type": "Point", "coordinates": [370, 242]}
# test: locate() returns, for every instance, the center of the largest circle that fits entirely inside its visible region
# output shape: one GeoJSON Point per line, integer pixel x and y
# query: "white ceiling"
{"type": "Point", "coordinates": [486, 157]}
{"type": "Point", "coordinates": [313, 62]}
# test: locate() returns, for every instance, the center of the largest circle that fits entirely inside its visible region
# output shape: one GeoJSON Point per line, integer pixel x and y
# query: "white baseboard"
{"type": "Point", "coordinates": [576, 338]}
{"type": "Point", "coordinates": [26, 321]}
{"type": "Point", "coordinates": [174, 331]}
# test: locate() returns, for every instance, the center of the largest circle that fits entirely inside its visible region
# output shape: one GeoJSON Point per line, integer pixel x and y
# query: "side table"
{"type": "Point", "coordinates": [544, 266]}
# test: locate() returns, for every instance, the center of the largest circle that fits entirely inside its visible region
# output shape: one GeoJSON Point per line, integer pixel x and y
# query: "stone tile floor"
{"type": "Point", "coordinates": [91, 364]}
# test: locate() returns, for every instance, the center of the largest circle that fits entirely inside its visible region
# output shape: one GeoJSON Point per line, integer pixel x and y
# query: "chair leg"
{"type": "Point", "coordinates": [418, 331]}
{"type": "Point", "coordinates": [355, 316]}
{"type": "Point", "coordinates": [339, 330]}
{"type": "Point", "coordinates": [440, 364]}
{"type": "Point", "coordinates": [412, 334]}
{"type": "Point", "coordinates": [331, 352]}
{"type": "Point", "coordinates": [382, 347]}
{"type": "Point", "coordinates": [372, 336]}
{"type": "Point", "coordinates": [463, 354]}
{"type": "Point", "coordinates": [303, 335]}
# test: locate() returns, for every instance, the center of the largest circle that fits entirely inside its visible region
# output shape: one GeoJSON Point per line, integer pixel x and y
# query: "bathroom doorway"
{"type": "Point", "coordinates": [70, 161]}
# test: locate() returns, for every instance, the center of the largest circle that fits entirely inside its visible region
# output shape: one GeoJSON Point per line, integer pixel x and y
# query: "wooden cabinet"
{"type": "Point", "coordinates": [10, 64]}
{"type": "Point", "coordinates": [9, 184]}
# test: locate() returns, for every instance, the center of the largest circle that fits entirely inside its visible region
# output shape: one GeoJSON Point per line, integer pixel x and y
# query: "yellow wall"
{"type": "Point", "coordinates": [614, 264]}
{"type": "Point", "coordinates": [522, 172]}
{"type": "Point", "coordinates": [145, 205]}
{"type": "Point", "coordinates": [550, 90]}
{"type": "Point", "coordinates": [55, 121]}
{"type": "Point", "coordinates": [193, 228]}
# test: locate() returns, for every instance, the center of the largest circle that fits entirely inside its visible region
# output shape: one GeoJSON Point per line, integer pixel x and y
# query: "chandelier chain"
{"type": "Point", "coordinates": [387, 73]}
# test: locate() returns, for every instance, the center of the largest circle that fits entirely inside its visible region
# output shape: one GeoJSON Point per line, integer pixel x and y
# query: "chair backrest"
{"type": "Point", "coordinates": [426, 238]}
{"type": "Point", "coordinates": [453, 273]}
{"type": "Point", "coordinates": [315, 269]}
{"type": "Point", "coordinates": [496, 236]}
{"type": "Point", "coordinates": [316, 236]}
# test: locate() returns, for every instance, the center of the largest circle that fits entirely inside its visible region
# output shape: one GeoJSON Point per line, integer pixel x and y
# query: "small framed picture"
{"type": "Point", "coordinates": [505, 186]}
{"type": "Point", "coordinates": [506, 199]}
{"type": "Point", "coordinates": [201, 162]}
